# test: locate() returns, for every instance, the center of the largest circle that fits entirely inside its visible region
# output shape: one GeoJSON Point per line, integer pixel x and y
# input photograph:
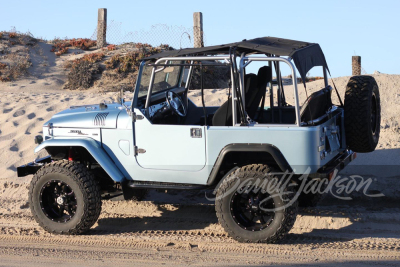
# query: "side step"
{"type": "Point", "coordinates": [160, 185]}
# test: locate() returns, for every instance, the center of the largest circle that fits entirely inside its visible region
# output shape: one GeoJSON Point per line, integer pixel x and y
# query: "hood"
{"type": "Point", "coordinates": [89, 116]}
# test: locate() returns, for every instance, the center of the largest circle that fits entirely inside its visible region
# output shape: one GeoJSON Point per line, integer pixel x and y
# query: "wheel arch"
{"type": "Point", "coordinates": [57, 149]}
{"type": "Point", "coordinates": [244, 154]}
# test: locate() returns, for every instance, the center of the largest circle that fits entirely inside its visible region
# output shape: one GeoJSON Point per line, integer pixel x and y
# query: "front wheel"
{"type": "Point", "coordinates": [64, 198]}
{"type": "Point", "coordinates": [251, 209]}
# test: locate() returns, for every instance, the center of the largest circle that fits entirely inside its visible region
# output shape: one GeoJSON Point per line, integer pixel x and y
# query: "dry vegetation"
{"type": "Point", "coordinates": [14, 55]}
{"type": "Point", "coordinates": [83, 70]}
{"type": "Point", "coordinates": [110, 69]}
{"type": "Point", "coordinates": [61, 47]}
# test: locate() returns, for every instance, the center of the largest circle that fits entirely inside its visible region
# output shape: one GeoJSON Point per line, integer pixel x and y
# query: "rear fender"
{"type": "Point", "coordinates": [93, 147]}
{"type": "Point", "coordinates": [263, 150]}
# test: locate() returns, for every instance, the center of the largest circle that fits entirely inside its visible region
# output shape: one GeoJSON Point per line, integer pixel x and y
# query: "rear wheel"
{"type": "Point", "coordinates": [253, 213]}
{"type": "Point", "coordinates": [362, 114]}
{"type": "Point", "coordinates": [64, 198]}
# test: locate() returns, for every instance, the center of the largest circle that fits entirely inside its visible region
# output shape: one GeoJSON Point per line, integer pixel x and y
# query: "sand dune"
{"type": "Point", "coordinates": [22, 115]}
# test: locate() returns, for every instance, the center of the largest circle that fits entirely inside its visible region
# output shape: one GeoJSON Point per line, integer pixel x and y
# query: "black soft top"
{"type": "Point", "coordinates": [305, 55]}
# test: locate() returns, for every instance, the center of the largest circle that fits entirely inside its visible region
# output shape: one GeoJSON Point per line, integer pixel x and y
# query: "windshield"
{"type": "Point", "coordinates": [165, 78]}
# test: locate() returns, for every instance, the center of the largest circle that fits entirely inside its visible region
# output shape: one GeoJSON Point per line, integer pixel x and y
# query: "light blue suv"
{"type": "Point", "coordinates": [255, 149]}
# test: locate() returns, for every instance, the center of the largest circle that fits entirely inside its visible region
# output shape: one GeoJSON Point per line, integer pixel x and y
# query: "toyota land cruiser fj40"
{"type": "Point", "coordinates": [162, 140]}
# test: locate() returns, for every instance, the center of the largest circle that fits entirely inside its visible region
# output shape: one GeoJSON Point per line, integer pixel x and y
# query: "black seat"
{"type": "Point", "coordinates": [223, 115]}
{"type": "Point", "coordinates": [255, 87]}
{"type": "Point", "coordinates": [316, 105]}
{"type": "Point", "coordinates": [253, 97]}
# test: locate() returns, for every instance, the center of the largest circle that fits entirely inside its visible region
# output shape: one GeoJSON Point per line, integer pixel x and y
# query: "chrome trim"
{"type": "Point", "coordinates": [192, 58]}
{"type": "Point", "coordinates": [294, 80]}
{"type": "Point", "coordinates": [279, 81]}
{"type": "Point", "coordinates": [162, 68]}
{"type": "Point", "coordinates": [189, 77]}
{"type": "Point", "coordinates": [137, 87]}
{"type": "Point", "coordinates": [83, 106]}
{"type": "Point", "coordinates": [241, 82]}
{"type": "Point", "coordinates": [312, 122]}
{"type": "Point", "coordinates": [150, 89]}
{"type": "Point", "coordinates": [234, 98]}
{"type": "Point", "coordinates": [270, 125]}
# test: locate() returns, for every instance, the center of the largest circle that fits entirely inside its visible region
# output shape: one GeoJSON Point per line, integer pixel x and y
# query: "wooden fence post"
{"type": "Point", "coordinates": [356, 65]}
{"type": "Point", "coordinates": [101, 27]}
{"type": "Point", "coordinates": [198, 29]}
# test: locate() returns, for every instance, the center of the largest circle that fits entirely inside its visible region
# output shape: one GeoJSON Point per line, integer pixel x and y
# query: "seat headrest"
{"type": "Point", "coordinates": [264, 76]}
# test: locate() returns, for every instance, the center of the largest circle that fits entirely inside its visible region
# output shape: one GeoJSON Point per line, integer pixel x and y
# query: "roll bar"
{"type": "Point", "coordinates": [244, 61]}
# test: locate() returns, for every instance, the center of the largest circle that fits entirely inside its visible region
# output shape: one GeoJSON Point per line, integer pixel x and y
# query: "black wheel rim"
{"type": "Point", "coordinates": [374, 117]}
{"type": "Point", "coordinates": [252, 210]}
{"type": "Point", "coordinates": [58, 201]}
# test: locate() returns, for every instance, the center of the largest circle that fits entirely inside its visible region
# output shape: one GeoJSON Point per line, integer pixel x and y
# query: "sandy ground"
{"type": "Point", "coordinates": [181, 229]}
{"type": "Point", "coordinates": [186, 232]}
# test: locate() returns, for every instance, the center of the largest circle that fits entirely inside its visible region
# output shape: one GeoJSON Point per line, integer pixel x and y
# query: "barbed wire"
{"type": "Point", "coordinates": [175, 36]}
{"type": "Point", "coordinates": [363, 71]}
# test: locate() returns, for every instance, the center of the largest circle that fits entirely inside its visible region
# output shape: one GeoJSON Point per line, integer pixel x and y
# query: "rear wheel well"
{"type": "Point", "coordinates": [239, 159]}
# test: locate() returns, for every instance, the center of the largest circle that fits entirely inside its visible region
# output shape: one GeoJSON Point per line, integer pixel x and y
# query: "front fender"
{"type": "Point", "coordinates": [93, 147]}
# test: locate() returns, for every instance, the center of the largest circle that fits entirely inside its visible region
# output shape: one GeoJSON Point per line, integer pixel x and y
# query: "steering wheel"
{"type": "Point", "coordinates": [175, 102]}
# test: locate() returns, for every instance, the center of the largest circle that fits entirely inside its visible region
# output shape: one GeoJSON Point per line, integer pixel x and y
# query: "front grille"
{"type": "Point", "coordinates": [100, 119]}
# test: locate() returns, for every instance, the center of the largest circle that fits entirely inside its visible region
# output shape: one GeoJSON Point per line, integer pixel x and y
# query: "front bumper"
{"type": "Point", "coordinates": [32, 167]}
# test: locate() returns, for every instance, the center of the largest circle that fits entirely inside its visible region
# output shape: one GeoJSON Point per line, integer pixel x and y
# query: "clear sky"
{"type": "Point", "coordinates": [342, 28]}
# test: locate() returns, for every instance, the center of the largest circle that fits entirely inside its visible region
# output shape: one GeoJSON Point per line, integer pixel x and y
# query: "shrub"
{"type": "Point", "coordinates": [3, 78]}
{"type": "Point", "coordinates": [61, 51]}
{"type": "Point", "coordinates": [18, 66]}
{"type": "Point", "coordinates": [27, 39]}
{"type": "Point", "coordinates": [61, 46]}
{"type": "Point", "coordinates": [93, 57]}
{"type": "Point", "coordinates": [145, 45]}
{"type": "Point", "coordinates": [130, 62]}
{"type": "Point", "coordinates": [1, 35]}
{"type": "Point", "coordinates": [82, 74]}
{"type": "Point", "coordinates": [112, 62]}
{"type": "Point", "coordinates": [111, 47]}
{"type": "Point", "coordinates": [83, 44]}
{"type": "Point", "coordinates": [12, 34]}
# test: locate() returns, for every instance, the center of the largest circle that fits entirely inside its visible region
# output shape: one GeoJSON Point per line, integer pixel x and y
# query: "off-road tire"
{"type": "Point", "coordinates": [361, 98]}
{"type": "Point", "coordinates": [282, 223]}
{"type": "Point", "coordinates": [86, 190]}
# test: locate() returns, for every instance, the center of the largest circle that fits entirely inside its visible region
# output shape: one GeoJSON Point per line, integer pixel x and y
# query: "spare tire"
{"type": "Point", "coordinates": [362, 114]}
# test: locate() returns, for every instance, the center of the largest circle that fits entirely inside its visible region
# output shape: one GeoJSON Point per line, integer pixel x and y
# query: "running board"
{"type": "Point", "coordinates": [159, 185]}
